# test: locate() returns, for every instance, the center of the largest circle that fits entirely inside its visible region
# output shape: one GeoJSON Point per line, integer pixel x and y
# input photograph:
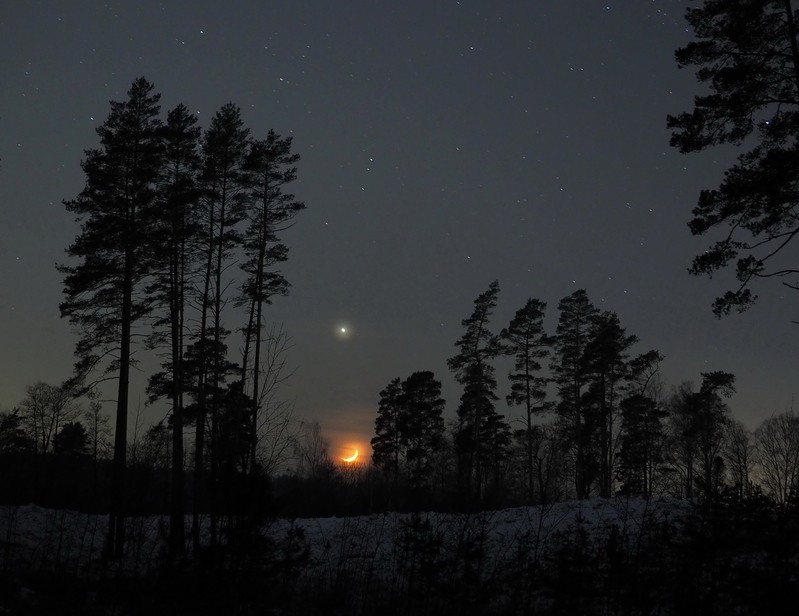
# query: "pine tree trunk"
{"type": "Point", "coordinates": [248, 344]}
{"type": "Point", "coordinates": [202, 377]}
{"type": "Point", "coordinates": [528, 397]}
{"type": "Point", "coordinates": [116, 519]}
{"type": "Point", "coordinates": [259, 300]}
{"type": "Point", "coordinates": [176, 521]}
{"type": "Point", "coordinates": [256, 382]}
{"type": "Point", "coordinates": [604, 471]}
{"type": "Point", "coordinates": [213, 491]}
{"type": "Point", "coordinates": [245, 356]}
{"type": "Point", "coordinates": [530, 478]}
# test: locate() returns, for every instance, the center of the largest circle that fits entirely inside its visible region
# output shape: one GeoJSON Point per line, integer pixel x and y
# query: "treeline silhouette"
{"type": "Point", "coordinates": [596, 420]}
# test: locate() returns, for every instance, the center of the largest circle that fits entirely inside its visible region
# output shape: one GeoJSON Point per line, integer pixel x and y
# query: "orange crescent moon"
{"type": "Point", "coordinates": [352, 458]}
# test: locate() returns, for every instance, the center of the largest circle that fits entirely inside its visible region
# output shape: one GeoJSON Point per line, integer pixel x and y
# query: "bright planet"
{"type": "Point", "coordinates": [343, 331]}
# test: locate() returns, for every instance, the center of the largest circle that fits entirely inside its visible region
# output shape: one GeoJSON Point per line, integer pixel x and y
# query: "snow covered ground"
{"type": "Point", "coordinates": [386, 546]}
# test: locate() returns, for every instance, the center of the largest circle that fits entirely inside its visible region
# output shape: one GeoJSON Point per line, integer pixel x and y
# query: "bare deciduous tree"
{"type": "Point", "coordinates": [547, 462]}
{"type": "Point", "coordinates": [275, 431]}
{"type": "Point", "coordinates": [312, 451]}
{"type": "Point", "coordinates": [98, 428]}
{"type": "Point", "coordinates": [739, 453]}
{"type": "Point", "coordinates": [44, 411]}
{"type": "Point", "coordinates": [777, 441]}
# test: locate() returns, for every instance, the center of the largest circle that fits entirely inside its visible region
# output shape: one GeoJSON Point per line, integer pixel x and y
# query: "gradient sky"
{"type": "Point", "coordinates": [444, 144]}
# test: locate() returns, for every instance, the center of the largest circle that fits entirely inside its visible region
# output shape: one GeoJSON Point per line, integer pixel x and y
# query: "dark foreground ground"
{"type": "Point", "coordinates": [618, 556]}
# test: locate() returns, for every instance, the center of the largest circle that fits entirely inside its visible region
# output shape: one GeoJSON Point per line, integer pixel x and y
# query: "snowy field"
{"type": "Point", "coordinates": [358, 549]}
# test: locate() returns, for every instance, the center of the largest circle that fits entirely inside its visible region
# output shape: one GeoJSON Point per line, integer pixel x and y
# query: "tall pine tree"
{"type": "Point", "coordinates": [421, 425]}
{"type": "Point", "coordinates": [387, 441]}
{"type": "Point", "coordinates": [643, 436]}
{"type": "Point", "coordinates": [409, 429]}
{"type": "Point", "coordinates": [115, 251]}
{"type": "Point", "coordinates": [569, 368]}
{"type": "Point", "coordinates": [271, 167]}
{"type": "Point", "coordinates": [176, 231]}
{"type": "Point", "coordinates": [482, 435]}
{"type": "Point", "coordinates": [697, 422]}
{"type": "Point", "coordinates": [606, 363]}
{"type": "Point", "coordinates": [224, 185]}
{"type": "Point", "coordinates": [526, 340]}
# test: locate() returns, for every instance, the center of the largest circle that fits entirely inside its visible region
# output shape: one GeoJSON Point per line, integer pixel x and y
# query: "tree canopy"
{"type": "Point", "coordinates": [746, 53]}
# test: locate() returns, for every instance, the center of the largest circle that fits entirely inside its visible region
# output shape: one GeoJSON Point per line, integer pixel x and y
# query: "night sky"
{"type": "Point", "coordinates": [444, 145]}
